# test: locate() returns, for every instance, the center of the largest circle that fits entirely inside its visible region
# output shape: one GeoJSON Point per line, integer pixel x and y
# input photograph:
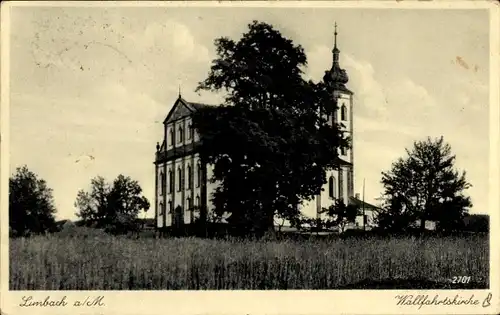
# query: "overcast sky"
{"type": "Point", "coordinates": [90, 87]}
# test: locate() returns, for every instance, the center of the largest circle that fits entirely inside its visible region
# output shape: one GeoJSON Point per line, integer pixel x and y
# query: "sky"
{"type": "Point", "coordinates": [90, 87]}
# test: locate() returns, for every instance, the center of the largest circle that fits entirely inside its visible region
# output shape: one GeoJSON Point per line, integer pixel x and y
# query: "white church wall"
{"type": "Point", "coordinates": [326, 199]}
{"type": "Point", "coordinates": [196, 187]}
{"type": "Point", "coordinates": [188, 139]}
{"type": "Point", "coordinates": [168, 209]}
{"type": "Point", "coordinates": [159, 195]}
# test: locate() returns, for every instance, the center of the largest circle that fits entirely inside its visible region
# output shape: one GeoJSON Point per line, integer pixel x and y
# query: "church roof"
{"type": "Point", "coordinates": [343, 162]}
{"type": "Point", "coordinates": [336, 77]}
{"type": "Point", "coordinates": [179, 109]}
{"type": "Point", "coordinates": [361, 204]}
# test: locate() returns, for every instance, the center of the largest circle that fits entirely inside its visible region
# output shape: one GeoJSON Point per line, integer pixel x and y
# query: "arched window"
{"type": "Point", "coordinates": [162, 209]}
{"type": "Point", "coordinates": [189, 204]}
{"type": "Point", "coordinates": [197, 201]}
{"type": "Point", "coordinates": [181, 134]}
{"type": "Point", "coordinates": [179, 174]}
{"type": "Point", "coordinates": [162, 183]}
{"type": "Point", "coordinates": [170, 206]}
{"type": "Point", "coordinates": [343, 113]}
{"type": "Point", "coordinates": [331, 187]}
{"type": "Point", "coordinates": [343, 151]}
{"type": "Point", "coordinates": [198, 175]}
{"type": "Point", "coordinates": [172, 139]}
{"type": "Point", "coordinates": [171, 181]}
{"type": "Point", "coordinates": [190, 131]}
{"type": "Point", "coordinates": [190, 177]}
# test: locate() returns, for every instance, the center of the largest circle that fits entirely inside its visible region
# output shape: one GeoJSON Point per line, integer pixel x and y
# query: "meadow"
{"type": "Point", "coordinates": [119, 263]}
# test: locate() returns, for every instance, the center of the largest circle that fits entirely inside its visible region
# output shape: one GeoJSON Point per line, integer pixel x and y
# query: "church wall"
{"type": "Point", "coordinates": [168, 197]}
{"type": "Point", "coordinates": [196, 136]}
{"type": "Point", "coordinates": [326, 200]}
{"type": "Point", "coordinates": [187, 191]}
{"type": "Point", "coordinates": [178, 191]}
{"type": "Point", "coordinates": [187, 139]}
{"type": "Point", "coordinates": [345, 99]}
{"type": "Point", "coordinates": [162, 196]}
{"type": "Point", "coordinates": [170, 128]}
{"type": "Point", "coordinates": [309, 208]}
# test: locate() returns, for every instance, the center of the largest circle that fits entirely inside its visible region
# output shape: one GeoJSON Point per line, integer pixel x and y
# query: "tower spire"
{"type": "Point", "coordinates": [336, 76]}
{"type": "Point", "coordinates": [335, 50]}
{"type": "Point", "coordinates": [335, 41]}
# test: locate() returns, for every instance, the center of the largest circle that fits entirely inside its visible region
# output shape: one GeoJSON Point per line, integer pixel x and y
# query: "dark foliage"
{"type": "Point", "coordinates": [269, 145]}
{"type": "Point", "coordinates": [424, 186]}
{"type": "Point", "coordinates": [31, 204]}
{"type": "Point", "coordinates": [477, 223]}
{"type": "Point", "coordinates": [113, 207]}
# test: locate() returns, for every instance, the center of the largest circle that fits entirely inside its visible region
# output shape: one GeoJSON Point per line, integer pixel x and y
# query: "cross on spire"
{"type": "Point", "coordinates": [335, 43]}
{"type": "Point", "coordinates": [179, 91]}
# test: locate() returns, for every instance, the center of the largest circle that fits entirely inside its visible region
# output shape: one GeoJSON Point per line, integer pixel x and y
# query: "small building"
{"type": "Point", "coordinates": [368, 213]}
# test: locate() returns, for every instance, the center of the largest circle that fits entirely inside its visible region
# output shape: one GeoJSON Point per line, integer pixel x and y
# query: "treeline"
{"type": "Point", "coordinates": [113, 207]}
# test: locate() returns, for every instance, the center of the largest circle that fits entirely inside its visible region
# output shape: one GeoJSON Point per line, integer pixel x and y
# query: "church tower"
{"type": "Point", "coordinates": [340, 181]}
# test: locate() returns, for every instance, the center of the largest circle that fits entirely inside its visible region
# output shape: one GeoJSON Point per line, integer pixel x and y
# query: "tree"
{"type": "Point", "coordinates": [31, 203]}
{"type": "Point", "coordinates": [339, 215]}
{"type": "Point", "coordinates": [269, 143]}
{"type": "Point", "coordinates": [425, 186]}
{"type": "Point", "coordinates": [93, 206]}
{"type": "Point", "coordinates": [114, 207]}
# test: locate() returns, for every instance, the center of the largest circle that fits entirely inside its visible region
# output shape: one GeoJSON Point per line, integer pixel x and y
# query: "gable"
{"type": "Point", "coordinates": [179, 110]}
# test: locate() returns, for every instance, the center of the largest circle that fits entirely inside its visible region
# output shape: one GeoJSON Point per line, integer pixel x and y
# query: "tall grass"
{"type": "Point", "coordinates": [113, 263]}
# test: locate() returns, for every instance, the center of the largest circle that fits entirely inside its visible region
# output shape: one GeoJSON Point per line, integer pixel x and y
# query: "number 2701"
{"type": "Point", "coordinates": [461, 279]}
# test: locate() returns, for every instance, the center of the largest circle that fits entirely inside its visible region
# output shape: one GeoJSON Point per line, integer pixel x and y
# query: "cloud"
{"type": "Point", "coordinates": [390, 113]}
{"type": "Point", "coordinates": [370, 94]}
{"type": "Point", "coordinates": [89, 88]}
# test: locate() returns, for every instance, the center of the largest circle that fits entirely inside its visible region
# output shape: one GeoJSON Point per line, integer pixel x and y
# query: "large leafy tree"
{"type": "Point", "coordinates": [93, 205]}
{"type": "Point", "coordinates": [112, 206]}
{"type": "Point", "coordinates": [31, 203]}
{"type": "Point", "coordinates": [425, 186]}
{"type": "Point", "coordinates": [270, 143]}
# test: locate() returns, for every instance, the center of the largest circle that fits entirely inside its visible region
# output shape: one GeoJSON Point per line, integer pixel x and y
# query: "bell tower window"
{"type": "Point", "coordinates": [343, 113]}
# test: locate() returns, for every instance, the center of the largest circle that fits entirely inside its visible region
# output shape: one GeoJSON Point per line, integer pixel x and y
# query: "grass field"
{"type": "Point", "coordinates": [113, 263]}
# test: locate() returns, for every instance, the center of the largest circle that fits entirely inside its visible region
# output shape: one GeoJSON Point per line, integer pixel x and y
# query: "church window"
{"type": "Point", "coordinates": [343, 151]}
{"type": "Point", "coordinates": [197, 201]}
{"type": "Point", "coordinates": [198, 175]}
{"type": "Point", "coordinates": [170, 206]}
{"type": "Point", "coordinates": [162, 210]}
{"type": "Point", "coordinates": [331, 187]}
{"type": "Point", "coordinates": [190, 131]}
{"type": "Point", "coordinates": [189, 204]}
{"type": "Point", "coordinates": [341, 184]}
{"type": "Point", "coordinates": [349, 183]}
{"type": "Point", "coordinates": [190, 177]}
{"type": "Point", "coordinates": [162, 183]}
{"type": "Point", "coordinates": [181, 134]}
{"type": "Point", "coordinates": [343, 113]}
{"type": "Point", "coordinates": [172, 139]}
{"type": "Point", "coordinates": [179, 174]}
{"type": "Point", "coordinates": [171, 181]}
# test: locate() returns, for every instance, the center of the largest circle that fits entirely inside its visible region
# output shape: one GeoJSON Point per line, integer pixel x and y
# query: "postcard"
{"type": "Point", "coordinates": [250, 157]}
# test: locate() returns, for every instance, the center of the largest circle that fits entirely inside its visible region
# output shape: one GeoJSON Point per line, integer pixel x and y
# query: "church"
{"type": "Point", "coordinates": [182, 180]}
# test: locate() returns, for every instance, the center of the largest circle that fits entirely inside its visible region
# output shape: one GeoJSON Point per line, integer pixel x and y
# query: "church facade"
{"type": "Point", "coordinates": [181, 179]}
